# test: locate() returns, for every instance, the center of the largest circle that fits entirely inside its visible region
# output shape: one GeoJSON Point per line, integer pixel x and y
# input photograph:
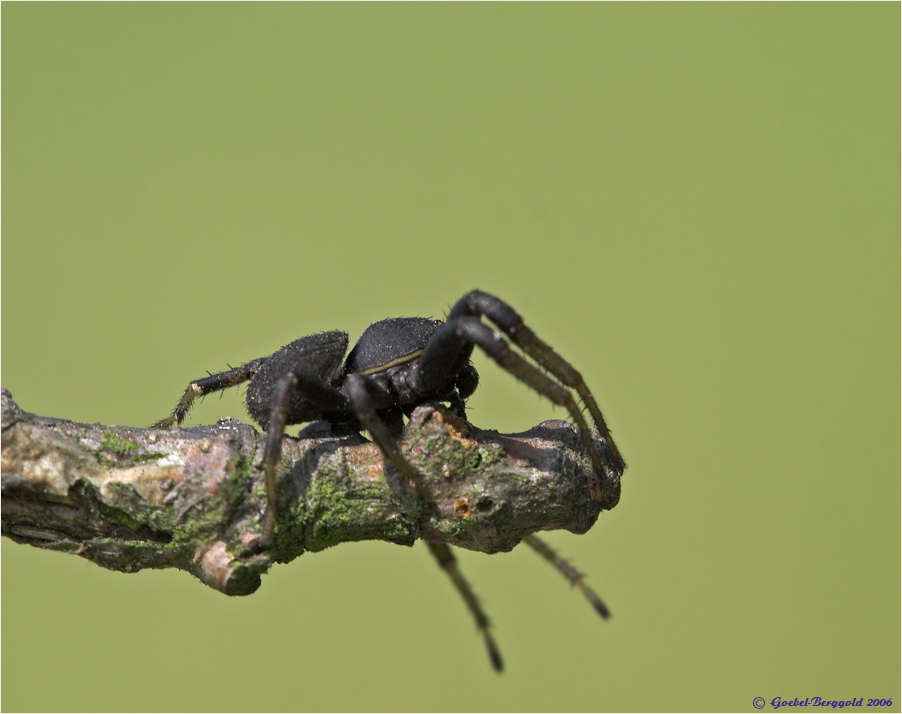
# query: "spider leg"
{"type": "Point", "coordinates": [458, 333]}
{"type": "Point", "coordinates": [361, 393]}
{"type": "Point", "coordinates": [314, 390]}
{"type": "Point", "coordinates": [569, 572]}
{"type": "Point", "coordinates": [478, 303]}
{"type": "Point", "coordinates": [448, 562]}
{"type": "Point", "coordinates": [207, 385]}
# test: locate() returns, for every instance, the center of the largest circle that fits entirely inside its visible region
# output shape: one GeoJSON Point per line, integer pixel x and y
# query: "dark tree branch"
{"type": "Point", "coordinates": [129, 498]}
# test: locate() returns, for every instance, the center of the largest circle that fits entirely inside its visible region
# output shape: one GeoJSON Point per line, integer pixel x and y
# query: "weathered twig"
{"type": "Point", "coordinates": [129, 498]}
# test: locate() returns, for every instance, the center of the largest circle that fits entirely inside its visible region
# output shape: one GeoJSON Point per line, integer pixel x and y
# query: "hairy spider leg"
{"type": "Point", "coordinates": [361, 392]}
{"type": "Point", "coordinates": [458, 333]}
{"type": "Point", "coordinates": [480, 303]}
{"type": "Point", "coordinates": [314, 390]}
{"type": "Point", "coordinates": [569, 572]}
{"type": "Point", "coordinates": [207, 385]}
{"type": "Point", "coordinates": [446, 559]}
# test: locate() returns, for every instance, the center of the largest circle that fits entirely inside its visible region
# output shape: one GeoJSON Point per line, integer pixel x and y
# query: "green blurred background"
{"type": "Point", "coordinates": [698, 204]}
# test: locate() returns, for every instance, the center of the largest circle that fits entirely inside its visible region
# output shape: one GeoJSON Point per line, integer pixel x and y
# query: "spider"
{"type": "Point", "coordinates": [398, 364]}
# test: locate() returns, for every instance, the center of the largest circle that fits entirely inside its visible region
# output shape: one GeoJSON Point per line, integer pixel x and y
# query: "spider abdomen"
{"type": "Point", "coordinates": [317, 355]}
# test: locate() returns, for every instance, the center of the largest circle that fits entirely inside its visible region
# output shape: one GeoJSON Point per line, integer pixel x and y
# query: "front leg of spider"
{"type": "Point", "coordinates": [452, 344]}
{"type": "Point", "coordinates": [466, 327]}
{"type": "Point", "coordinates": [461, 333]}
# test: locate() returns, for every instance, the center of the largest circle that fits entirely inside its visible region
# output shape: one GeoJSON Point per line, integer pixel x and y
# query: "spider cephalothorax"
{"type": "Point", "coordinates": [395, 366]}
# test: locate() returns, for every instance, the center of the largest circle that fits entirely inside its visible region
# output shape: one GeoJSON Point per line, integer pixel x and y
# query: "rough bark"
{"type": "Point", "coordinates": [131, 498]}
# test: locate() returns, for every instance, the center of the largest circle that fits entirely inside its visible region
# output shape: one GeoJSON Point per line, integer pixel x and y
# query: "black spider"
{"type": "Point", "coordinates": [397, 365]}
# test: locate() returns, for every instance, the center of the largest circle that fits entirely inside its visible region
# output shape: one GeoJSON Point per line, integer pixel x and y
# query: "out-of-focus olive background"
{"type": "Point", "coordinates": [697, 204]}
